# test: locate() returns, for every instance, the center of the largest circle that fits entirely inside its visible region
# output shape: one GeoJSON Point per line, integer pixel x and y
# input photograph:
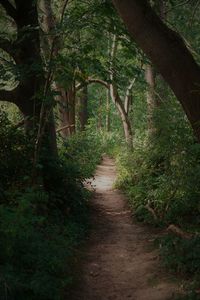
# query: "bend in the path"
{"type": "Point", "coordinates": [119, 262]}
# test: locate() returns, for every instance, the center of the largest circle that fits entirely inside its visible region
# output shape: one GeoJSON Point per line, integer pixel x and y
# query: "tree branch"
{"type": "Point", "coordinates": [90, 81]}
{"type": "Point", "coordinates": [9, 96]}
{"type": "Point", "coordinates": [65, 127]}
{"type": "Point", "coordinates": [9, 8]}
{"type": "Point", "coordinates": [168, 53]}
{"type": "Point", "coordinates": [100, 81]}
{"type": "Point", "coordinates": [179, 232]}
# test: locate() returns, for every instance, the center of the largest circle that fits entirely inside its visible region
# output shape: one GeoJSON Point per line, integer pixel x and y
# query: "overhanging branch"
{"type": "Point", "coordinates": [90, 81]}
{"type": "Point", "coordinates": [100, 81]}
{"type": "Point", "coordinates": [9, 8]}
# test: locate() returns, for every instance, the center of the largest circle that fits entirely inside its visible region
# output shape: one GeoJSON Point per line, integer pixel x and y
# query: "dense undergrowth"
{"type": "Point", "coordinates": [161, 176]}
{"type": "Point", "coordinates": [40, 230]}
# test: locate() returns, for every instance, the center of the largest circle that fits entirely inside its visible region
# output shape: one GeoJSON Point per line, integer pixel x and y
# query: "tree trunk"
{"type": "Point", "coordinates": [126, 125]}
{"type": "Point", "coordinates": [67, 112]}
{"type": "Point", "coordinates": [151, 98]}
{"type": "Point", "coordinates": [108, 123]}
{"type": "Point", "coordinates": [120, 107]}
{"type": "Point", "coordinates": [168, 53]}
{"type": "Point", "coordinates": [72, 111]}
{"type": "Point", "coordinates": [28, 95]}
{"type": "Point", "coordinates": [83, 108]}
{"type": "Point", "coordinates": [124, 116]}
{"type": "Point", "coordinates": [115, 95]}
{"type": "Point", "coordinates": [99, 125]}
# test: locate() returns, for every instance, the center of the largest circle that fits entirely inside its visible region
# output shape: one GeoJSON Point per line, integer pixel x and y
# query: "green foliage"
{"type": "Point", "coordinates": [15, 154]}
{"type": "Point", "coordinates": [161, 176]}
{"type": "Point", "coordinates": [182, 256]}
{"type": "Point", "coordinates": [164, 173]}
{"type": "Point", "coordinates": [39, 230]}
{"type": "Point", "coordinates": [36, 250]}
{"type": "Point", "coordinates": [85, 148]}
{"type": "Point", "coordinates": [192, 295]}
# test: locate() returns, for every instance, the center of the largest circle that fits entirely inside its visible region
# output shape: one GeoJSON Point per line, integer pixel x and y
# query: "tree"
{"type": "Point", "coordinates": [83, 108]}
{"type": "Point", "coordinates": [31, 92]}
{"type": "Point", "coordinates": [168, 52]}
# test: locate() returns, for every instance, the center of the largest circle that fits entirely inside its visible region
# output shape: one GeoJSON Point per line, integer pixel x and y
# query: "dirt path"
{"type": "Point", "coordinates": [120, 261]}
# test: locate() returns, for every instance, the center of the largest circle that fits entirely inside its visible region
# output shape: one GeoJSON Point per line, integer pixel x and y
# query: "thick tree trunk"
{"type": "Point", "coordinates": [28, 94]}
{"type": "Point", "coordinates": [67, 112]}
{"type": "Point", "coordinates": [168, 53]}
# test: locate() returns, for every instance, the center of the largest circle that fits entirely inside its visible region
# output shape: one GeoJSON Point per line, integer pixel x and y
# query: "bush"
{"type": "Point", "coordinates": [36, 250]}
{"type": "Point", "coordinates": [164, 172]}
{"type": "Point", "coordinates": [15, 158]}
{"type": "Point", "coordinates": [182, 256]}
{"type": "Point", "coordinates": [85, 150]}
{"type": "Point", "coordinates": [39, 229]}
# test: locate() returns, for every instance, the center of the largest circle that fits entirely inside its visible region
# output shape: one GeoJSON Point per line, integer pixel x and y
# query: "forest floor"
{"type": "Point", "coordinates": [119, 260]}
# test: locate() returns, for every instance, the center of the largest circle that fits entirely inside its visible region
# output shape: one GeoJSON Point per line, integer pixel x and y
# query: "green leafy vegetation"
{"type": "Point", "coordinates": [39, 230]}
{"type": "Point", "coordinates": [74, 86]}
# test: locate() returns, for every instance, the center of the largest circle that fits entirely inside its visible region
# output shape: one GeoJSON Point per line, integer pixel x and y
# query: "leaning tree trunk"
{"type": "Point", "coordinates": [123, 114]}
{"type": "Point", "coordinates": [153, 101]}
{"type": "Point", "coordinates": [115, 95]}
{"type": "Point", "coordinates": [168, 52]}
{"type": "Point", "coordinates": [120, 106]}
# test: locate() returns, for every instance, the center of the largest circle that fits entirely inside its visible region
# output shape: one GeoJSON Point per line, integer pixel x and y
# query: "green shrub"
{"type": "Point", "coordinates": [39, 230]}
{"type": "Point", "coordinates": [85, 150]}
{"type": "Point", "coordinates": [15, 158]}
{"type": "Point", "coordinates": [36, 250]}
{"type": "Point", "coordinates": [182, 257]}
{"type": "Point", "coordinates": [164, 171]}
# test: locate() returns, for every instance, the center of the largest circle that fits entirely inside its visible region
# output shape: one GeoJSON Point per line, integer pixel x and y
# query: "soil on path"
{"type": "Point", "coordinates": [120, 261]}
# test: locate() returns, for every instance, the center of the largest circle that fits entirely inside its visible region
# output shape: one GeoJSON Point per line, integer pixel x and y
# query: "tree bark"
{"type": "Point", "coordinates": [168, 53]}
{"type": "Point", "coordinates": [83, 108]}
{"type": "Point", "coordinates": [121, 107]}
{"type": "Point", "coordinates": [29, 93]}
{"type": "Point", "coordinates": [124, 116]}
{"type": "Point", "coordinates": [151, 98]}
{"type": "Point", "coordinates": [117, 101]}
{"type": "Point", "coordinates": [100, 125]}
{"type": "Point", "coordinates": [67, 112]}
{"type": "Point", "coordinates": [108, 121]}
